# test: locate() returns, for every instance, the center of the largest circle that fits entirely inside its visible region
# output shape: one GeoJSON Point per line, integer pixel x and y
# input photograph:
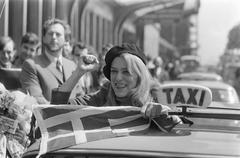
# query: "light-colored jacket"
{"type": "Point", "coordinates": [39, 76]}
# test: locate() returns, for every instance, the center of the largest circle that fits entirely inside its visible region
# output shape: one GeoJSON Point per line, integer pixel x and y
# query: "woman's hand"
{"type": "Point", "coordinates": [152, 110]}
{"type": "Point", "coordinates": [87, 63]}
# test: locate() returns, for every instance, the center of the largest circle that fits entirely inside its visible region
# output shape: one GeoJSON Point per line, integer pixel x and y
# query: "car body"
{"type": "Point", "coordinates": [221, 92]}
{"type": "Point", "coordinates": [200, 76]}
{"type": "Point", "coordinates": [205, 133]}
{"type": "Point", "coordinates": [185, 142]}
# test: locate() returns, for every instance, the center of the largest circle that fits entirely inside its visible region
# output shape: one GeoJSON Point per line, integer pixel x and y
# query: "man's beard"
{"type": "Point", "coordinates": [53, 50]}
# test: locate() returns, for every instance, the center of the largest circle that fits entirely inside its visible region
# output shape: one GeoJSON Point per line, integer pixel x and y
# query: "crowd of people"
{"type": "Point", "coordinates": [10, 57]}
{"type": "Point", "coordinates": [39, 74]}
{"type": "Point", "coordinates": [59, 71]}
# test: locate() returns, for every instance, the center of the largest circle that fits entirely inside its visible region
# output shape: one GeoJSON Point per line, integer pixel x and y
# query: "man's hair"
{"type": "Point", "coordinates": [4, 40]}
{"type": "Point", "coordinates": [53, 21]}
{"type": "Point", "coordinates": [79, 45]}
{"type": "Point", "coordinates": [30, 38]}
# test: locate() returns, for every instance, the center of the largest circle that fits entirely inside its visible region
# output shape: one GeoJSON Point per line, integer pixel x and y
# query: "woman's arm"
{"type": "Point", "coordinates": [86, 63]}
{"type": "Point", "coordinates": [61, 94]}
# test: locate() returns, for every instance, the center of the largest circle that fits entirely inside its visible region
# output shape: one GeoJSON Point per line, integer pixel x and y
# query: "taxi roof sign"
{"type": "Point", "coordinates": [179, 94]}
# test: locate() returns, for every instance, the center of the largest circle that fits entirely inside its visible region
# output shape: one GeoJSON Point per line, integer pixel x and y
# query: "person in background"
{"type": "Point", "coordinates": [130, 84]}
{"type": "Point", "coordinates": [236, 83]}
{"type": "Point", "coordinates": [102, 79]}
{"type": "Point", "coordinates": [158, 71]}
{"type": "Point", "coordinates": [50, 69]}
{"type": "Point", "coordinates": [67, 49]}
{"type": "Point", "coordinates": [28, 49]}
{"type": "Point", "coordinates": [84, 84]}
{"type": "Point", "coordinates": [174, 68]}
{"type": "Point", "coordinates": [94, 73]}
{"type": "Point", "coordinates": [9, 75]}
{"type": "Point", "coordinates": [150, 65]}
{"type": "Point", "coordinates": [105, 49]}
{"type": "Point", "coordinates": [78, 49]}
{"type": "Point", "coordinates": [7, 52]}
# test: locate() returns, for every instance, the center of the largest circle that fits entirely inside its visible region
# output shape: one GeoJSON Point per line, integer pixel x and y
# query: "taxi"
{"type": "Point", "coordinates": [221, 92]}
{"type": "Point", "coordinates": [204, 132]}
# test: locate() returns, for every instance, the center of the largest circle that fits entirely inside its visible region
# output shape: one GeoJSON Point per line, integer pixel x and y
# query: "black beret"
{"type": "Point", "coordinates": [117, 51]}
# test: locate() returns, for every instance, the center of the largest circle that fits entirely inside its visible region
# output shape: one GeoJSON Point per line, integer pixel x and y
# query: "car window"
{"type": "Point", "coordinates": [222, 95]}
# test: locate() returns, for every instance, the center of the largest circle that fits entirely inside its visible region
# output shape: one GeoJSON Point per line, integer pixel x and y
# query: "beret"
{"type": "Point", "coordinates": [117, 51]}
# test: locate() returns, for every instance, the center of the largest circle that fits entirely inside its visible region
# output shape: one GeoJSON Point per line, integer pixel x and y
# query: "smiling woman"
{"type": "Point", "coordinates": [130, 84]}
{"type": "Point", "coordinates": [129, 78]}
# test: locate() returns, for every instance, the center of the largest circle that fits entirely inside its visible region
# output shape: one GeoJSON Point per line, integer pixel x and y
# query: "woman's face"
{"type": "Point", "coordinates": [121, 80]}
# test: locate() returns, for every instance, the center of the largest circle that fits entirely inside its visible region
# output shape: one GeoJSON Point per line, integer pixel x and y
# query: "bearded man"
{"type": "Point", "coordinates": [50, 69]}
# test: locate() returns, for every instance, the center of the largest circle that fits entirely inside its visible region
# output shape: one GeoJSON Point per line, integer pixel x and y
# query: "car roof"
{"type": "Point", "coordinates": [155, 144]}
{"type": "Point", "coordinates": [225, 105]}
{"type": "Point", "coordinates": [190, 57]}
{"type": "Point", "coordinates": [209, 84]}
{"type": "Point", "coordinates": [200, 76]}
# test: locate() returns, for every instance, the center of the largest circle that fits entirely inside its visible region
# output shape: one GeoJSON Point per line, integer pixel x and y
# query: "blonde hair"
{"type": "Point", "coordinates": [145, 81]}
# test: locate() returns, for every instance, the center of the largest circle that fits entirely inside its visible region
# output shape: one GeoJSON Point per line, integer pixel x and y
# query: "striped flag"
{"type": "Point", "coordinates": [66, 125]}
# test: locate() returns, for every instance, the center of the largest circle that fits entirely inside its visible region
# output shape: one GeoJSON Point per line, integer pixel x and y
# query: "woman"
{"type": "Point", "coordinates": [130, 83]}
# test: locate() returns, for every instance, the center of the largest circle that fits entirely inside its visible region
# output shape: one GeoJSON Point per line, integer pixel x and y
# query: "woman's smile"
{"type": "Point", "coordinates": [119, 86]}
